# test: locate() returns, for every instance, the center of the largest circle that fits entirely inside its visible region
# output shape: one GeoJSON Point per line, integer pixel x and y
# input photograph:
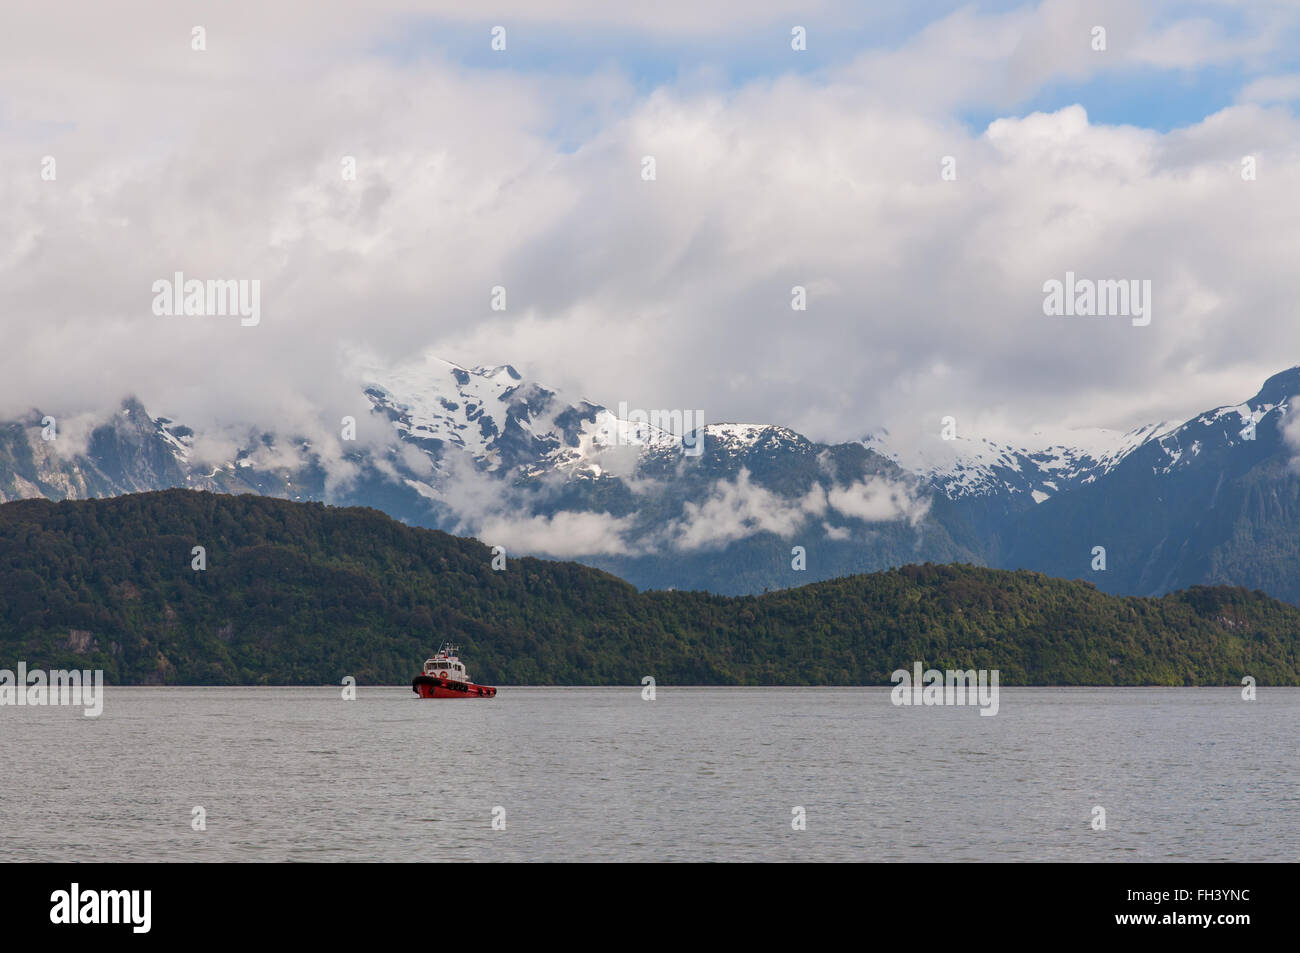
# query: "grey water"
{"type": "Point", "coordinates": [697, 774]}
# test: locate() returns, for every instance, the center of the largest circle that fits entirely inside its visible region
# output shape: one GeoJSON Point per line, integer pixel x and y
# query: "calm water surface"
{"type": "Point", "coordinates": [698, 774]}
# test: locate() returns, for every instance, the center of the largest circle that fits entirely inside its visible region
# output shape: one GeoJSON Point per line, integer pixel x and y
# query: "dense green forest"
{"type": "Point", "coordinates": [302, 593]}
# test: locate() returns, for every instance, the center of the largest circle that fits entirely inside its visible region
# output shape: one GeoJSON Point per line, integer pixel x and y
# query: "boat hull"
{"type": "Point", "coordinates": [431, 686]}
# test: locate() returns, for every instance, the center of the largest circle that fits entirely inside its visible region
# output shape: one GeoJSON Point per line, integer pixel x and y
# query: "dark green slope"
{"type": "Point", "coordinates": [301, 593]}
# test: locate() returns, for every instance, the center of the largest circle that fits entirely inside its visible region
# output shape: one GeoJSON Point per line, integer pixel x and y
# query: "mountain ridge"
{"type": "Point", "coordinates": [483, 451]}
{"type": "Point", "coordinates": [303, 593]}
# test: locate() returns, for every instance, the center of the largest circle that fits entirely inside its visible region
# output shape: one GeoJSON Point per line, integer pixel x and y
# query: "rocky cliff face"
{"type": "Point", "coordinates": [127, 452]}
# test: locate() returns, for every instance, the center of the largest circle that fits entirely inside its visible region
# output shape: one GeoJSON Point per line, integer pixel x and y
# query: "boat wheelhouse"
{"type": "Point", "coordinates": [447, 664]}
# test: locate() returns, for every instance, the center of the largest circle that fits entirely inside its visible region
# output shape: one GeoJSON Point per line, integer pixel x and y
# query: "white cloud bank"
{"type": "Point", "coordinates": [924, 295]}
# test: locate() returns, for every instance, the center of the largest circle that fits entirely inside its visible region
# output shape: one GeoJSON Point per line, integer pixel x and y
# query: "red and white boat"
{"type": "Point", "coordinates": [444, 676]}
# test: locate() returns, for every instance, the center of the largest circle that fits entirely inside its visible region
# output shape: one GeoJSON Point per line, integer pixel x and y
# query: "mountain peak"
{"type": "Point", "coordinates": [1279, 388]}
{"type": "Point", "coordinates": [495, 373]}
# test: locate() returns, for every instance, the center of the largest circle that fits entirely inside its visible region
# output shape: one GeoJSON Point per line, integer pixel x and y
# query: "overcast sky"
{"type": "Point", "coordinates": [774, 168]}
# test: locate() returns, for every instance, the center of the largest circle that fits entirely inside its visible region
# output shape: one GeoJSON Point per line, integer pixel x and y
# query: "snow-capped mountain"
{"type": "Point", "coordinates": [732, 507]}
{"type": "Point", "coordinates": [500, 420]}
{"type": "Point", "coordinates": [1228, 427]}
{"type": "Point", "coordinates": [505, 423]}
{"type": "Point", "coordinates": [1214, 500]}
{"type": "Point", "coordinates": [965, 466]}
{"type": "Point", "coordinates": [481, 451]}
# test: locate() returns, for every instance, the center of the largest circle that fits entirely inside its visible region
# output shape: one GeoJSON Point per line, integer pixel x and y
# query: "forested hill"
{"type": "Point", "coordinates": [301, 593]}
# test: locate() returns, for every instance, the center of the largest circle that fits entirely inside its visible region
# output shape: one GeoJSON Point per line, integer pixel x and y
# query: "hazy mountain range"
{"type": "Point", "coordinates": [483, 452]}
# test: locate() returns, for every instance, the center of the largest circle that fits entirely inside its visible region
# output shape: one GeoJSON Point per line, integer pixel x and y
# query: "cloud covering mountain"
{"type": "Point", "coordinates": [522, 169]}
{"type": "Point", "coordinates": [488, 453]}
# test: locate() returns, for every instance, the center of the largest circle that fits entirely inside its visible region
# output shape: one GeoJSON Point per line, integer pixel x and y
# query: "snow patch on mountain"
{"type": "Point", "coordinates": [1224, 426]}
{"type": "Point", "coordinates": [1045, 464]}
{"type": "Point", "coordinates": [506, 423]}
